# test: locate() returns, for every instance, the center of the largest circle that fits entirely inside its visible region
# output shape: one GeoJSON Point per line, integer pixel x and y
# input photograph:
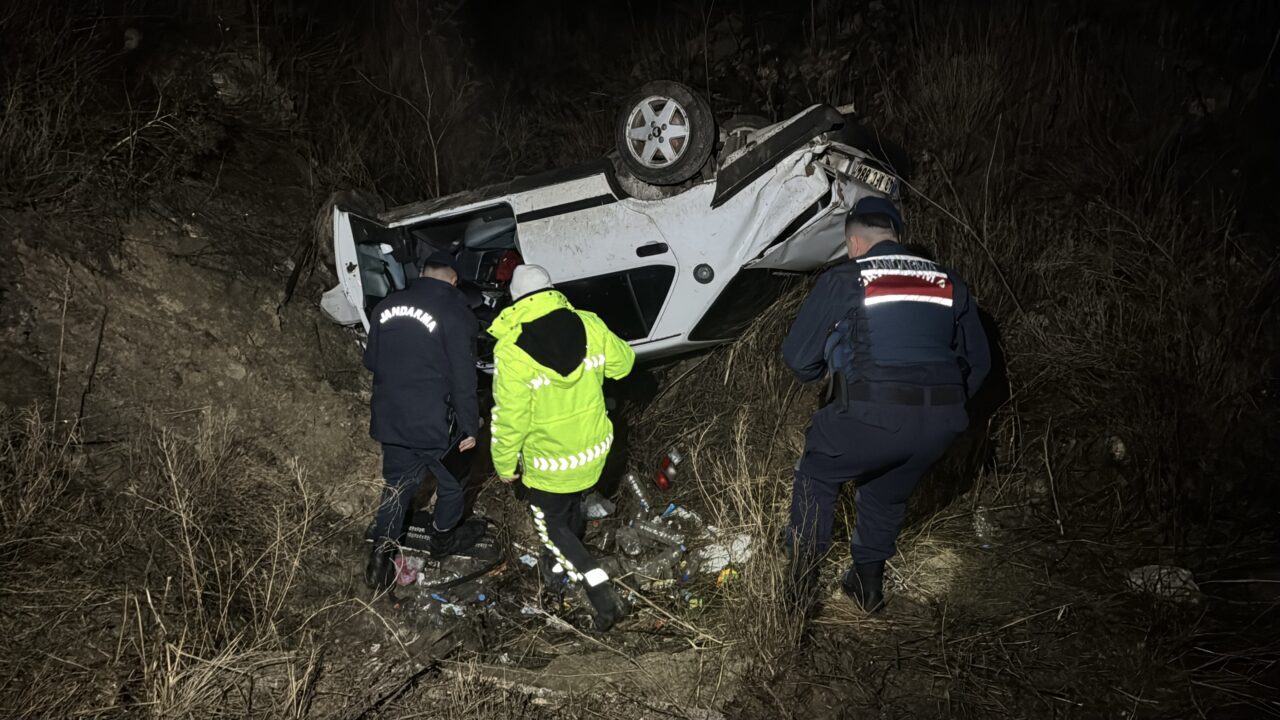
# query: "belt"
{"type": "Point", "coordinates": [898, 394]}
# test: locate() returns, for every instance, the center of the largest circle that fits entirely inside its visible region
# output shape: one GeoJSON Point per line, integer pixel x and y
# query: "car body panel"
{"type": "Point", "coordinates": [776, 205]}
{"type": "Point", "coordinates": [773, 144]}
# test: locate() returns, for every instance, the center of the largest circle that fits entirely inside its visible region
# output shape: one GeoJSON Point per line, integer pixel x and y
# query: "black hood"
{"type": "Point", "coordinates": [556, 340]}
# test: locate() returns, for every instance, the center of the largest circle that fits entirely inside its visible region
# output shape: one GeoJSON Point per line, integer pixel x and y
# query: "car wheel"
{"type": "Point", "coordinates": [744, 124]}
{"type": "Point", "coordinates": [735, 130]}
{"type": "Point", "coordinates": [665, 133]}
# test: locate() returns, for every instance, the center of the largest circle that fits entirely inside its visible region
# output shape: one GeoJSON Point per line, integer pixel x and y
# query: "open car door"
{"type": "Point", "coordinates": [371, 262]}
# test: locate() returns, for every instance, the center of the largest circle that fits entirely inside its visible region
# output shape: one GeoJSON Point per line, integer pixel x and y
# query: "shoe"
{"type": "Point", "coordinates": [607, 605]}
{"type": "Point", "coordinates": [380, 571]}
{"type": "Point", "coordinates": [864, 582]}
{"type": "Point", "coordinates": [458, 540]}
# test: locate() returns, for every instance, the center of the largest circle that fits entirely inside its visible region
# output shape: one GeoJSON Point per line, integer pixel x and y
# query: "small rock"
{"type": "Point", "coordinates": [1166, 581]}
{"type": "Point", "coordinates": [236, 371]}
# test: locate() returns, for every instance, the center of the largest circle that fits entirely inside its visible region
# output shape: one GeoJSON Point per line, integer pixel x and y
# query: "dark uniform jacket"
{"type": "Point", "coordinates": [422, 353]}
{"type": "Point", "coordinates": [890, 316]}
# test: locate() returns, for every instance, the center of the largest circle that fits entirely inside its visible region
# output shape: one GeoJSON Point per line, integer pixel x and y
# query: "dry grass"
{"type": "Point", "coordinates": [165, 587]}
{"type": "Point", "coordinates": [165, 579]}
{"type": "Point", "coordinates": [1129, 309]}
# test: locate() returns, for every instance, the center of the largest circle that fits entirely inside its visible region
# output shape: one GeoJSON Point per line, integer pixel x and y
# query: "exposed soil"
{"type": "Point", "coordinates": [148, 571]}
{"type": "Point", "coordinates": [190, 318]}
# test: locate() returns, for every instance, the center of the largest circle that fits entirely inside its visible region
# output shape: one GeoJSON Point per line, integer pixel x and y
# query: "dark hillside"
{"type": "Point", "coordinates": [185, 469]}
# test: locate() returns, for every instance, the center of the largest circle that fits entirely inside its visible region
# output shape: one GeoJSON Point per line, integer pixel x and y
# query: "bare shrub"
{"type": "Point", "coordinates": [738, 417]}
{"type": "Point", "coordinates": [35, 473]}
{"type": "Point", "coordinates": [1124, 296]}
{"type": "Point", "coordinates": [173, 592]}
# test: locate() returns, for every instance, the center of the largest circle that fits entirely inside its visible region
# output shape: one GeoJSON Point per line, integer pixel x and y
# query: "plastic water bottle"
{"type": "Point", "coordinates": [660, 567]}
{"type": "Point", "coordinates": [633, 484]}
{"type": "Point", "coordinates": [659, 533]}
{"type": "Point", "coordinates": [679, 512]}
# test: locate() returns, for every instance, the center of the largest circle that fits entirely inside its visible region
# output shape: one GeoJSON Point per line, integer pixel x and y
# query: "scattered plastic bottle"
{"type": "Point", "coordinates": [633, 484]}
{"type": "Point", "coordinates": [660, 533]}
{"type": "Point", "coordinates": [679, 512]}
{"type": "Point", "coordinates": [661, 566]}
{"type": "Point", "coordinates": [628, 541]}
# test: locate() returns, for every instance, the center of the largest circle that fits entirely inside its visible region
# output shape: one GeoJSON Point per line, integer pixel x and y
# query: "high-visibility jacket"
{"type": "Point", "coordinates": [548, 409]}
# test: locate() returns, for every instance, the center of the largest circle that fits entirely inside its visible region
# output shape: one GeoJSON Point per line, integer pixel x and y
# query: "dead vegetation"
{"type": "Point", "coordinates": [159, 581]}
{"type": "Point", "coordinates": [171, 576]}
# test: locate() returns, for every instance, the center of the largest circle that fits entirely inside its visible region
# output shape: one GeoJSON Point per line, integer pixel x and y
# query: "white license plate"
{"type": "Point", "coordinates": [876, 179]}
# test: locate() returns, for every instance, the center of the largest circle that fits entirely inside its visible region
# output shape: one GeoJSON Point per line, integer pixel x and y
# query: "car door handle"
{"type": "Point", "coordinates": [651, 249]}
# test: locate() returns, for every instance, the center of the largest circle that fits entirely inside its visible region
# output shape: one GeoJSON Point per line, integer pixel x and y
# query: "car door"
{"type": "Point", "coordinates": [368, 258]}
{"type": "Point", "coordinates": [606, 258]}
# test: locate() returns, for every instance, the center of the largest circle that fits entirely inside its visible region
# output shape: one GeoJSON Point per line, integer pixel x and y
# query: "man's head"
{"type": "Point", "coordinates": [441, 266]}
{"type": "Point", "coordinates": [529, 279]}
{"type": "Point", "coordinates": [871, 221]}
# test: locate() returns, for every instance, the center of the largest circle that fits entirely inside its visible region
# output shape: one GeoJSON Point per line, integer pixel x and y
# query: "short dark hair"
{"type": "Point", "coordinates": [875, 220]}
{"type": "Point", "coordinates": [435, 268]}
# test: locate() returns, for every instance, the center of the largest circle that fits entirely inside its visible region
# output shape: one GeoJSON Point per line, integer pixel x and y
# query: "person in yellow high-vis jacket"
{"type": "Point", "coordinates": [549, 425]}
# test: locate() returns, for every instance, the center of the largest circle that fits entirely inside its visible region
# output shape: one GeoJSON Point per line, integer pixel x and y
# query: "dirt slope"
{"type": "Point", "coordinates": [186, 317]}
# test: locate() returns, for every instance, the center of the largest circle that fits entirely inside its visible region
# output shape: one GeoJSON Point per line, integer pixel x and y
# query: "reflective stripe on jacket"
{"type": "Point", "coordinates": [556, 422]}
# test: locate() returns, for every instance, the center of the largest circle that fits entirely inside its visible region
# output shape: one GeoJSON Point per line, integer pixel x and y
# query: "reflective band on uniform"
{"type": "Point", "coordinates": [903, 278]}
{"type": "Point", "coordinates": [880, 300]}
{"type": "Point", "coordinates": [596, 576]}
{"type": "Point", "coordinates": [540, 524]}
{"type": "Point", "coordinates": [540, 381]}
{"type": "Point", "coordinates": [594, 361]}
{"type": "Point", "coordinates": [572, 462]}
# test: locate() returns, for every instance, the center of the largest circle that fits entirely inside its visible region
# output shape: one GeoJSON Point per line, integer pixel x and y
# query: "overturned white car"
{"type": "Point", "coordinates": [677, 239]}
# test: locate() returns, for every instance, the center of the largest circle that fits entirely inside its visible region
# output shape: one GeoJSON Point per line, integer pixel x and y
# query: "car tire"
{"type": "Point", "coordinates": [651, 153]}
{"type": "Point", "coordinates": [743, 124]}
{"type": "Point", "coordinates": [735, 131]}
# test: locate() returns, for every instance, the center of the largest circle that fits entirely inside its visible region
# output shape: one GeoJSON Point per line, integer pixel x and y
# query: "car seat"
{"type": "Point", "coordinates": [375, 273]}
{"type": "Point", "coordinates": [484, 242]}
{"type": "Point", "coordinates": [498, 234]}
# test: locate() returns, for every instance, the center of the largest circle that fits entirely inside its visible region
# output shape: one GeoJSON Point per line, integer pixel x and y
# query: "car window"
{"type": "Point", "coordinates": [628, 302]}
{"type": "Point", "coordinates": [741, 301]}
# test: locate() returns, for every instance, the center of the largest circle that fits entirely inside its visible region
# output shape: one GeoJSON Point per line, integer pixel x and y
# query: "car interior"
{"type": "Point", "coordinates": [484, 243]}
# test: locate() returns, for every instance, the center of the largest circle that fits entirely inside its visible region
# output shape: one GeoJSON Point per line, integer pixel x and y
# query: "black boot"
{"type": "Point", "coordinates": [458, 540]}
{"type": "Point", "coordinates": [380, 572]}
{"type": "Point", "coordinates": [552, 579]}
{"type": "Point", "coordinates": [607, 605]}
{"type": "Point", "coordinates": [864, 582]}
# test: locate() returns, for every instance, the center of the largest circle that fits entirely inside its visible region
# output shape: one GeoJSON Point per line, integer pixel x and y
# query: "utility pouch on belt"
{"type": "Point", "coordinates": [837, 391]}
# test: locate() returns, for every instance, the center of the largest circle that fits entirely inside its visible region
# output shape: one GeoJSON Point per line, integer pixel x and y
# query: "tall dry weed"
{"type": "Point", "coordinates": [168, 586]}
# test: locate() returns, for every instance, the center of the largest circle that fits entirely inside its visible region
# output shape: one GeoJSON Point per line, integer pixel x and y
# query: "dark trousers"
{"type": "Point", "coordinates": [884, 450]}
{"type": "Point", "coordinates": [403, 472]}
{"type": "Point", "coordinates": [561, 523]}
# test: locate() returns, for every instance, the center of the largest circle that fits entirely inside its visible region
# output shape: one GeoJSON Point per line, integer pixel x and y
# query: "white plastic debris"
{"type": "Point", "coordinates": [731, 550]}
{"type": "Point", "coordinates": [597, 506]}
{"type": "Point", "coordinates": [984, 526]}
{"type": "Point", "coordinates": [528, 560]}
{"type": "Point", "coordinates": [1165, 581]}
